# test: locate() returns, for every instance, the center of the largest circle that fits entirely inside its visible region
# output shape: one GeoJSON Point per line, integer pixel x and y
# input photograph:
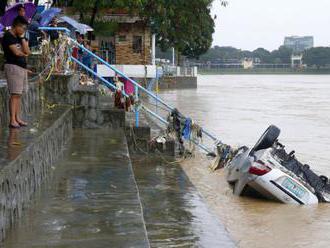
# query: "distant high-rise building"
{"type": "Point", "coordinates": [299, 43]}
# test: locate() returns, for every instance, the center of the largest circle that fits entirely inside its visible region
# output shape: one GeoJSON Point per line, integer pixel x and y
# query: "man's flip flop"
{"type": "Point", "coordinates": [23, 124]}
{"type": "Point", "coordinates": [14, 126]}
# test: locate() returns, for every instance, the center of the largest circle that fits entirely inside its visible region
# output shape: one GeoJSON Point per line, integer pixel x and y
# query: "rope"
{"type": "Point", "coordinates": [52, 62]}
{"type": "Point", "coordinates": [50, 72]}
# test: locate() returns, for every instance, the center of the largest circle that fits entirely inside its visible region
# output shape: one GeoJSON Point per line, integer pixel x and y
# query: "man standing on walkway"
{"type": "Point", "coordinates": [21, 11]}
{"type": "Point", "coordinates": [16, 49]}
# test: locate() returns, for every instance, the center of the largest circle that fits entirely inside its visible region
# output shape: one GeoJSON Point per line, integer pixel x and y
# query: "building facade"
{"type": "Point", "coordinates": [131, 45]}
{"type": "Point", "coordinates": [299, 43]}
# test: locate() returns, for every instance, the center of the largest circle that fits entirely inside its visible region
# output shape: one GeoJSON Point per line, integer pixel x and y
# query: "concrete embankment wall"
{"type": "Point", "coordinates": [26, 155]}
{"type": "Point", "coordinates": [30, 101]}
{"type": "Point", "coordinates": [263, 71]}
{"type": "Point", "coordinates": [22, 177]}
{"type": "Point", "coordinates": [178, 83]}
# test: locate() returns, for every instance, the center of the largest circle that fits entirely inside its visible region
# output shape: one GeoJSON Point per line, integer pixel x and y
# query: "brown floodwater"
{"type": "Point", "coordinates": [238, 109]}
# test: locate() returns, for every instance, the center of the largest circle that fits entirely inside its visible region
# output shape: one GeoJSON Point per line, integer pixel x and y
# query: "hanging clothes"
{"type": "Point", "coordinates": [186, 132]}
{"type": "Point", "coordinates": [128, 86]}
{"type": "Point", "coordinates": [119, 100]}
{"type": "Point", "coordinates": [177, 128]}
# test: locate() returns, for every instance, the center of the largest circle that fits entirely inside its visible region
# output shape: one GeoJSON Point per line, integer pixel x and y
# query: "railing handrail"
{"type": "Point", "coordinates": [55, 29]}
{"type": "Point", "coordinates": [106, 82]}
{"type": "Point", "coordinates": [137, 85]}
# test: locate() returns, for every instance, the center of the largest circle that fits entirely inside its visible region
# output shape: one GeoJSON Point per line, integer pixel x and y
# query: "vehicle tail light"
{"type": "Point", "coordinates": [259, 168]}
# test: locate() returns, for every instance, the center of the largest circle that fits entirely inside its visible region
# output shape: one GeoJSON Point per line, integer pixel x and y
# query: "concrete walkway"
{"type": "Point", "coordinates": [92, 201]}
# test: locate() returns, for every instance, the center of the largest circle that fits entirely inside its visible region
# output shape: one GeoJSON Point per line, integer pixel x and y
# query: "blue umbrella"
{"type": "Point", "coordinates": [48, 15]}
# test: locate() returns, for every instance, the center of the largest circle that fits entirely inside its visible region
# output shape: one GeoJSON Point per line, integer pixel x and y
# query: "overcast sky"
{"type": "Point", "coordinates": [249, 24]}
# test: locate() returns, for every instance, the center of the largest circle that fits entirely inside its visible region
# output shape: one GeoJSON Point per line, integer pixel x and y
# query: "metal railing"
{"type": "Point", "coordinates": [137, 86]}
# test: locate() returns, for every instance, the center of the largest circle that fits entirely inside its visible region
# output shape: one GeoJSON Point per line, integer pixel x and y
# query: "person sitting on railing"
{"type": "Point", "coordinates": [86, 57]}
{"type": "Point", "coordinates": [35, 35]}
{"type": "Point", "coordinates": [53, 34]}
{"type": "Point", "coordinates": [81, 41]}
{"type": "Point", "coordinates": [75, 50]}
{"type": "Point", "coordinates": [16, 50]}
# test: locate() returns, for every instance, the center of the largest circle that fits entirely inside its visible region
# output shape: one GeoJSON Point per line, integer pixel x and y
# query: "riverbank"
{"type": "Point", "coordinates": [282, 71]}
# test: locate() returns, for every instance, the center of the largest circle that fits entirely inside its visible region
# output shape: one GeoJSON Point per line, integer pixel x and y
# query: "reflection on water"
{"type": "Point", "coordinates": [174, 212]}
{"type": "Point", "coordinates": [238, 109]}
{"type": "Point", "coordinates": [14, 144]}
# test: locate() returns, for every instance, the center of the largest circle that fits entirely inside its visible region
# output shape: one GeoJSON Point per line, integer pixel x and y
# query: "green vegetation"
{"type": "Point", "coordinates": [185, 25]}
{"type": "Point", "coordinates": [317, 56]}
{"type": "Point", "coordinates": [220, 54]}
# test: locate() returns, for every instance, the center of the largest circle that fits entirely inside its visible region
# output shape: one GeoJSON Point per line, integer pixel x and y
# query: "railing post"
{"type": "Point", "coordinates": [136, 106]}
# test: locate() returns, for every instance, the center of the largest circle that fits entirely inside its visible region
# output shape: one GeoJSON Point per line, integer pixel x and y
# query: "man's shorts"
{"type": "Point", "coordinates": [17, 80]}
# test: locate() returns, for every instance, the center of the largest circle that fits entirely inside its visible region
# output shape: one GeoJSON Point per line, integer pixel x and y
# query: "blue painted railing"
{"type": "Point", "coordinates": [136, 85]}
{"type": "Point", "coordinates": [60, 29]}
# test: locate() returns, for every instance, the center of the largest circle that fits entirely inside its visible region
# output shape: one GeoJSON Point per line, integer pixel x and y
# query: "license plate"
{"type": "Point", "coordinates": [294, 188]}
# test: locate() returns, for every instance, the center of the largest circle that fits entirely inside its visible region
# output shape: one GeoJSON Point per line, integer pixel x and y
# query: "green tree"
{"type": "Point", "coordinates": [217, 53]}
{"type": "Point", "coordinates": [263, 54]}
{"type": "Point", "coordinates": [317, 56]}
{"type": "Point", "coordinates": [185, 25]}
{"type": "Point", "coordinates": [282, 55]}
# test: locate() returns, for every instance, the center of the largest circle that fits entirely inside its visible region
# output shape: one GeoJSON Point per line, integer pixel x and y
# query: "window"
{"type": "Point", "coordinates": [122, 38]}
{"type": "Point", "coordinates": [137, 44]}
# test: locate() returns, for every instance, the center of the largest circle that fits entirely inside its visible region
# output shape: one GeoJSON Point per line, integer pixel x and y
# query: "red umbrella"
{"type": "Point", "coordinates": [12, 12]}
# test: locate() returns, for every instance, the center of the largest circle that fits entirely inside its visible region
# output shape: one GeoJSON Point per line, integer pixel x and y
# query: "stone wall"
{"type": "Point", "coordinates": [21, 178]}
{"type": "Point", "coordinates": [178, 83]}
{"type": "Point", "coordinates": [30, 101]}
{"type": "Point", "coordinates": [59, 88]}
{"type": "Point", "coordinates": [88, 111]}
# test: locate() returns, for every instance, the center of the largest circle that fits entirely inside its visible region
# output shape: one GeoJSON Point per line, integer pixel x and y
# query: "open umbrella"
{"type": "Point", "coordinates": [76, 26]}
{"type": "Point", "coordinates": [48, 15]}
{"type": "Point", "coordinates": [11, 13]}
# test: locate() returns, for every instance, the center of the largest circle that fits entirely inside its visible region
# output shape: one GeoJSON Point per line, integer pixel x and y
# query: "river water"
{"type": "Point", "coordinates": [238, 109]}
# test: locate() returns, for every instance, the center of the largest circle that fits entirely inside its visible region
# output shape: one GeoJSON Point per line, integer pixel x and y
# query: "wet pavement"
{"type": "Point", "coordinates": [90, 201]}
{"type": "Point", "coordinates": [175, 213]}
{"type": "Point", "coordinates": [93, 199]}
{"type": "Point", "coordinates": [14, 141]}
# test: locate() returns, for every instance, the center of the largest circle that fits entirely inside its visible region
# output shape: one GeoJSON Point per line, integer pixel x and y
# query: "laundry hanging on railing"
{"type": "Point", "coordinates": [187, 129]}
